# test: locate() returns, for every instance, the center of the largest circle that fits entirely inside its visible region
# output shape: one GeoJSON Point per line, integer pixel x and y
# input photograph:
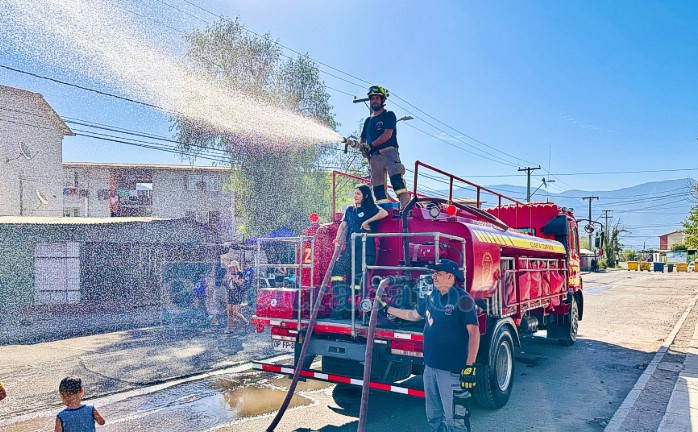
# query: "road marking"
{"type": "Point", "coordinates": [622, 412]}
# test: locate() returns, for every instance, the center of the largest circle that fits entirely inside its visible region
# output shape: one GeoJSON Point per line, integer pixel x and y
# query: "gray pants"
{"type": "Point", "coordinates": [387, 161]}
{"type": "Point", "coordinates": [438, 391]}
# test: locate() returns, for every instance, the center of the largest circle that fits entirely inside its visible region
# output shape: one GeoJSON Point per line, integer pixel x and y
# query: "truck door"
{"type": "Point", "coordinates": [573, 258]}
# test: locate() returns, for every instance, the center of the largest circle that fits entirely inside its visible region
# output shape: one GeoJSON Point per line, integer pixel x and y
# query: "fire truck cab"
{"type": "Point", "coordinates": [521, 265]}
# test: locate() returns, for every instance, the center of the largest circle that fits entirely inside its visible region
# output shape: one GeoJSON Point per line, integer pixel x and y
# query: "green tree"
{"type": "Point", "coordinates": [584, 242]}
{"type": "Point", "coordinates": [690, 229]}
{"type": "Point", "coordinates": [629, 255]}
{"type": "Point", "coordinates": [678, 247]}
{"type": "Point", "coordinates": [274, 185]}
{"type": "Point", "coordinates": [612, 246]}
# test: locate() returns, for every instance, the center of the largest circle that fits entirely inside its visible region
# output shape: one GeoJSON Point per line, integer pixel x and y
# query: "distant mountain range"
{"type": "Point", "coordinates": [646, 211]}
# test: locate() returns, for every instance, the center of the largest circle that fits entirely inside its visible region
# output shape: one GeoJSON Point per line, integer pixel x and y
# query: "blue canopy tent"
{"type": "Point", "coordinates": [279, 232]}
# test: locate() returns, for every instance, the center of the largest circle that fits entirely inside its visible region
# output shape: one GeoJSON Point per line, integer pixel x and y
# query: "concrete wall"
{"type": "Point", "coordinates": [120, 262]}
{"type": "Point", "coordinates": [25, 118]}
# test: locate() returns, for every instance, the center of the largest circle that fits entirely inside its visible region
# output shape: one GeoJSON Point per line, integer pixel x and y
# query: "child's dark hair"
{"type": "Point", "coordinates": [368, 196]}
{"type": "Point", "coordinates": [70, 385]}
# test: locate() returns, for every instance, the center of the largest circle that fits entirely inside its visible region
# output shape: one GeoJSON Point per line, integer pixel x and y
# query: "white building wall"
{"type": "Point", "coordinates": [173, 198]}
{"type": "Point", "coordinates": [23, 120]}
{"type": "Point", "coordinates": [172, 195]}
{"type": "Point", "coordinates": [675, 238]}
{"type": "Point", "coordinates": [92, 185]}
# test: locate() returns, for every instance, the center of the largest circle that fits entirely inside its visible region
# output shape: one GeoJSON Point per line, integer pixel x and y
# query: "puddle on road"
{"type": "Point", "coordinates": [199, 405]}
{"type": "Point", "coordinates": [34, 425]}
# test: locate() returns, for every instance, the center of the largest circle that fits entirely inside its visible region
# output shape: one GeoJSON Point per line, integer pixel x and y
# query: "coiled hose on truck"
{"type": "Point", "coordinates": [309, 331]}
{"type": "Point", "coordinates": [368, 359]}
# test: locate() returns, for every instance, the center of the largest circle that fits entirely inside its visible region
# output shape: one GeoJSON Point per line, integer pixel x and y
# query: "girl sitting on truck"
{"type": "Point", "coordinates": [362, 217]}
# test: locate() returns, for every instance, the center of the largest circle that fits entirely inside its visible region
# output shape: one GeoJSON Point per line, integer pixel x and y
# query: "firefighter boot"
{"type": "Point", "coordinates": [379, 194]}
{"type": "Point", "coordinates": [404, 199]}
{"type": "Point", "coordinates": [400, 189]}
{"type": "Point", "coordinates": [461, 407]}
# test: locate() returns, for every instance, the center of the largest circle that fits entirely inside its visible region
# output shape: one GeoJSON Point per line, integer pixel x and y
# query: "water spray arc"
{"type": "Point", "coordinates": [97, 36]}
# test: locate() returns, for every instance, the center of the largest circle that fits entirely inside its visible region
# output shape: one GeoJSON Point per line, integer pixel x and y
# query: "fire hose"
{"type": "Point", "coordinates": [309, 332]}
{"type": "Point", "coordinates": [368, 359]}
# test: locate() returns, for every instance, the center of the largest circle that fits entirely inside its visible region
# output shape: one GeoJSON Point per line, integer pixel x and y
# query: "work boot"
{"type": "Point", "coordinates": [404, 199]}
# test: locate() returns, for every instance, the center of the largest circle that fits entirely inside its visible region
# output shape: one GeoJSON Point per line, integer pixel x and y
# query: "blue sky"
{"type": "Point", "coordinates": [574, 86]}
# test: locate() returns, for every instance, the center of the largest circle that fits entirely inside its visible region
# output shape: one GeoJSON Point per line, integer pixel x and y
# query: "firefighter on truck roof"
{"type": "Point", "coordinates": [451, 342]}
{"type": "Point", "coordinates": [379, 136]}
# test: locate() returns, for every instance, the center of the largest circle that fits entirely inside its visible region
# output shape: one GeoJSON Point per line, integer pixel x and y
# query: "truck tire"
{"type": "Point", "coordinates": [495, 379]}
{"type": "Point", "coordinates": [571, 325]}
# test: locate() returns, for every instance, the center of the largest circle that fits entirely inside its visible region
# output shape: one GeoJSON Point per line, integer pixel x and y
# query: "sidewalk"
{"type": "Point", "coordinates": [682, 410]}
{"type": "Point", "coordinates": [44, 325]}
{"type": "Point", "coordinates": [114, 361]}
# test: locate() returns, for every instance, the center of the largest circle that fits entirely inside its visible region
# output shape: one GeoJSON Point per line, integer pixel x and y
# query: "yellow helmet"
{"type": "Point", "coordinates": [377, 90]}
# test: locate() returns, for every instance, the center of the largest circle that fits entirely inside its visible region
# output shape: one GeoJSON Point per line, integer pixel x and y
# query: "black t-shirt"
{"type": "Point", "coordinates": [356, 216]}
{"type": "Point", "coordinates": [375, 126]}
{"type": "Point", "coordinates": [445, 333]}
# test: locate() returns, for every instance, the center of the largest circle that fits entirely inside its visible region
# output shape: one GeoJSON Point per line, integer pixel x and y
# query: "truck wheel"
{"type": "Point", "coordinates": [495, 379]}
{"type": "Point", "coordinates": [571, 325]}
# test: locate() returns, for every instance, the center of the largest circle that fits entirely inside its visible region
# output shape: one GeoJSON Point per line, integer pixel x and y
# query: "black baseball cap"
{"type": "Point", "coordinates": [448, 266]}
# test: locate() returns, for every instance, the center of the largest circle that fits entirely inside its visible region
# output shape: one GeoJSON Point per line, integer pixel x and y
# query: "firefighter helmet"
{"type": "Point", "coordinates": [377, 90]}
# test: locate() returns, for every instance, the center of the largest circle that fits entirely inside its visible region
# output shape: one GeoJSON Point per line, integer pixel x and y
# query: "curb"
{"type": "Point", "coordinates": [622, 412]}
{"type": "Point", "coordinates": [678, 411]}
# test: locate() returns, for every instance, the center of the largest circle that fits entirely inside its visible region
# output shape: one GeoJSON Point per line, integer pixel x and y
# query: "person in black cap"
{"type": "Point", "coordinates": [451, 342]}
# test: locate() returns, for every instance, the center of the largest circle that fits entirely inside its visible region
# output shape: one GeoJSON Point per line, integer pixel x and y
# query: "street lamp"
{"type": "Point", "coordinates": [544, 183]}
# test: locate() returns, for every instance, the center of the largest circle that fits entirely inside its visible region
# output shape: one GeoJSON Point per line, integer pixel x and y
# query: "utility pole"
{"type": "Point", "coordinates": [607, 217]}
{"type": "Point", "coordinates": [21, 196]}
{"type": "Point", "coordinates": [590, 198]}
{"type": "Point", "coordinates": [528, 183]}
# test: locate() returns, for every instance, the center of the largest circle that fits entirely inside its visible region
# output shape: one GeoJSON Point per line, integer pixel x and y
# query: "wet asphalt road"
{"type": "Point", "coordinates": [627, 316]}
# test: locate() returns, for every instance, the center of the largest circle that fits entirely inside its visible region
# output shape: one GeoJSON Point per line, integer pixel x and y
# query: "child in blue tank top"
{"type": "Point", "coordinates": [76, 417]}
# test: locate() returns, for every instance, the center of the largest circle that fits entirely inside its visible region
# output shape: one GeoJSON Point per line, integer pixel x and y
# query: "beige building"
{"type": "Point", "coordinates": [34, 181]}
{"type": "Point", "coordinates": [142, 190]}
{"type": "Point", "coordinates": [666, 241]}
{"type": "Point", "coordinates": [31, 140]}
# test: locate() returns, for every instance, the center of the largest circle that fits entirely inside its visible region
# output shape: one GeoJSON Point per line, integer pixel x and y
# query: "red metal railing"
{"type": "Point", "coordinates": [336, 174]}
{"type": "Point", "coordinates": [478, 189]}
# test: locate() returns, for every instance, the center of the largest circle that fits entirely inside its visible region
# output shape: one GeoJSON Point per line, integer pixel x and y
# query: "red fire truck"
{"type": "Point", "coordinates": [521, 262]}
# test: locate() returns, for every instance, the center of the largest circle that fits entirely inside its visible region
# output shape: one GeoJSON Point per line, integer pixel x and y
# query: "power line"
{"type": "Point", "coordinates": [451, 144]}
{"type": "Point", "coordinates": [81, 87]}
{"type": "Point", "coordinates": [625, 172]}
{"type": "Point", "coordinates": [459, 132]}
{"type": "Point", "coordinates": [358, 85]}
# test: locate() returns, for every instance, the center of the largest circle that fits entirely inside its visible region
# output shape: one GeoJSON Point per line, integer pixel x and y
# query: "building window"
{"type": "Point", "coordinates": [71, 212]}
{"type": "Point", "coordinates": [208, 183]}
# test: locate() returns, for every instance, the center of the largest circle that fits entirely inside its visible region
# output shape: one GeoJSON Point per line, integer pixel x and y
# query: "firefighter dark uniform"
{"type": "Point", "coordinates": [383, 157]}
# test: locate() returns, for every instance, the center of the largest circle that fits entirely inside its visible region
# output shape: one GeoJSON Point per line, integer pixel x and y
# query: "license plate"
{"type": "Point", "coordinates": [282, 345]}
